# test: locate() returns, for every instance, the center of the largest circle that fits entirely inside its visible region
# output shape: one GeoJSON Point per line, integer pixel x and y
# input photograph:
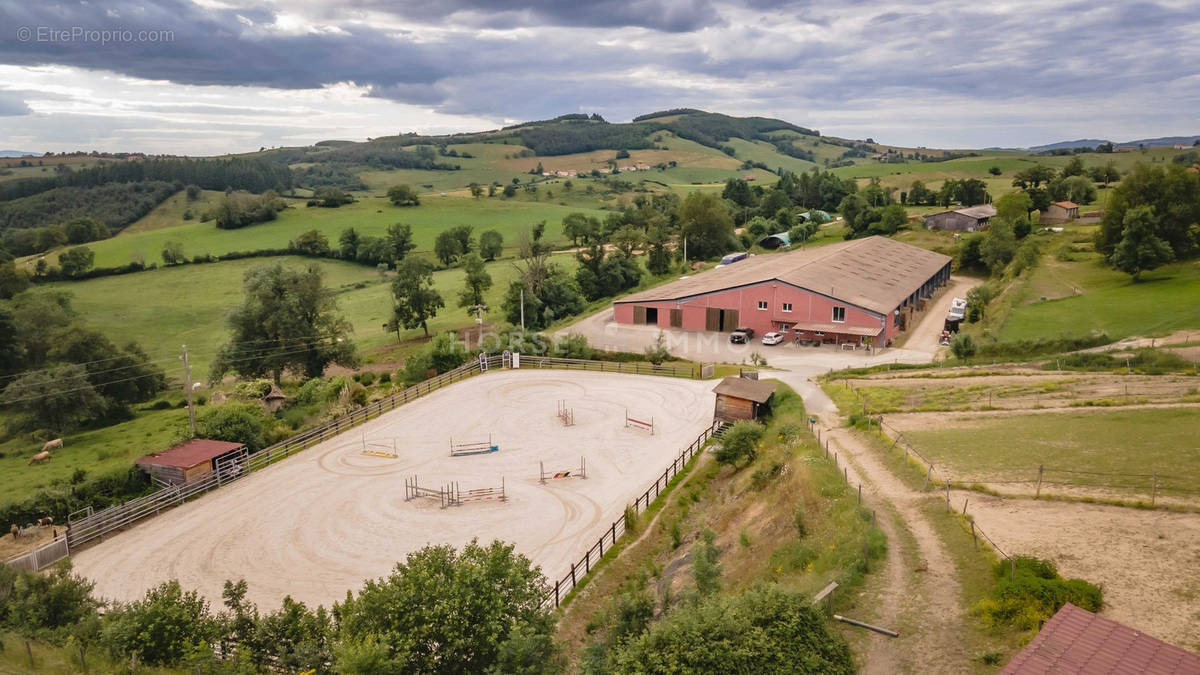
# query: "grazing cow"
{"type": "Point", "coordinates": [55, 444]}
{"type": "Point", "coordinates": [14, 530]}
{"type": "Point", "coordinates": [43, 456]}
{"type": "Point", "coordinates": [45, 522]}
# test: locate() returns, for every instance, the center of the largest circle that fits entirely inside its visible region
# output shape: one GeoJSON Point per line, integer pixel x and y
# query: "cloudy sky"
{"type": "Point", "coordinates": [213, 76]}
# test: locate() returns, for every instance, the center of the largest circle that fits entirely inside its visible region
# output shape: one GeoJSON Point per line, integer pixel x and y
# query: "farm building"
{"type": "Point", "coordinates": [774, 241]}
{"type": "Point", "coordinates": [740, 398]}
{"type": "Point", "coordinates": [1075, 640]}
{"type": "Point", "coordinates": [863, 291]}
{"type": "Point", "coordinates": [190, 461]}
{"type": "Point", "coordinates": [969, 219]}
{"type": "Point", "coordinates": [1061, 212]}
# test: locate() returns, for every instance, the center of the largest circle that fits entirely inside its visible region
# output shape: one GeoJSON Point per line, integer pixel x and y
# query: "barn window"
{"type": "Point", "coordinates": [787, 306]}
{"type": "Point", "coordinates": [762, 304]}
{"type": "Point", "coordinates": [839, 314]}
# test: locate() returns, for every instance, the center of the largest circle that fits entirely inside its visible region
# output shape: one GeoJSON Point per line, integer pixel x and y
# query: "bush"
{"type": "Point", "coordinates": [963, 346]}
{"type": "Point", "coordinates": [738, 443]}
{"type": "Point", "coordinates": [163, 628]}
{"type": "Point", "coordinates": [41, 605]}
{"type": "Point", "coordinates": [237, 423]}
{"type": "Point", "coordinates": [1043, 345]}
{"type": "Point", "coordinates": [763, 630]}
{"type": "Point", "coordinates": [367, 378]}
{"type": "Point", "coordinates": [574, 346]}
{"type": "Point", "coordinates": [1032, 592]}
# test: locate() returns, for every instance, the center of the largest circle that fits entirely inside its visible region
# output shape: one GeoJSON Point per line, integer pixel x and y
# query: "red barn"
{"type": "Point", "coordinates": [860, 291]}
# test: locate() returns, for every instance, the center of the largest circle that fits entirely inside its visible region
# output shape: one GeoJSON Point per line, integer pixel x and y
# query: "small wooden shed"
{"type": "Point", "coordinates": [189, 462]}
{"type": "Point", "coordinates": [739, 398]}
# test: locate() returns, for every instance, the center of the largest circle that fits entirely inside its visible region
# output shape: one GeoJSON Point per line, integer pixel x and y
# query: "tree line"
{"type": "Point", "coordinates": [40, 222]}
{"type": "Point", "coordinates": [251, 175]}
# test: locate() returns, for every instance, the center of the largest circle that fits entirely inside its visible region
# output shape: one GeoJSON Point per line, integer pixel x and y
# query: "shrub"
{"type": "Point", "coordinates": [237, 423]}
{"type": "Point", "coordinates": [574, 346]}
{"type": "Point", "coordinates": [162, 628]}
{"type": "Point", "coordinates": [739, 442]}
{"type": "Point", "coordinates": [1031, 591]}
{"type": "Point", "coordinates": [763, 630]}
{"type": "Point", "coordinates": [252, 388]}
{"type": "Point", "coordinates": [963, 346]}
{"type": "Point", "coordinates": [42, 604]}
{"type": "Point", "coordinates": [657, 352]}
{"type": "Point", "coordinates": [367, 378]}
{"type": "Point", "coordinates": [312, 391]}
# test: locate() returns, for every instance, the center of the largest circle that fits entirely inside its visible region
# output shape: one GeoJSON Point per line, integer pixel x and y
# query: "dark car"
{"type": "Point", "coordinates": [741, 336]}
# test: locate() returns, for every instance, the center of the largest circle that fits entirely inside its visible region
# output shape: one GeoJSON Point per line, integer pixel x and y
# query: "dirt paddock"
{"type": "Point", "coordinates": [1145, 560]}
{"type": "Point", "coordinates": [321, 522]}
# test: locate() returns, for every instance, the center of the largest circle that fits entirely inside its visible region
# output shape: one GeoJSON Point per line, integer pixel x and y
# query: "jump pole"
{"type": "Point", "coordinates": [566, 473]}
{"type": "Point", "coordinates": [639, 424]}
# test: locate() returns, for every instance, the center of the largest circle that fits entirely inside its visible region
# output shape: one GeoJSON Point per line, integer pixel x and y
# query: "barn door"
{"type": "Point", "coordinates": [729, 318]}
{"type": "Point", "coordinates": [712, 319]}
{"type": "Point", "coordinates": [639, 314]}
{"type": "Point", "coordinates": [676, 318]}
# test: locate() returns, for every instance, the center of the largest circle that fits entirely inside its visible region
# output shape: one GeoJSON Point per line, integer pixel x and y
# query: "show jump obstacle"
{"type": "Point", "coordinates": [566, 415]}
{"type": "Point", "coordinates": [451, 495]}
{"type": "Point", "coordinates": [444, 494]}
{"type": "Point", "coordinates": [376, 449]}
{"type": "Point", "coordinates": [581, 472]}
{"type": "Point", "coordinates": [639, 424]}
{"type": "Point", "coordinates": [464, 449]}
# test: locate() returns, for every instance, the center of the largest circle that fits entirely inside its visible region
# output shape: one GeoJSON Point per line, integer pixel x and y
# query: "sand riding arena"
{"type": "Point", "coordinates": [321, 522]}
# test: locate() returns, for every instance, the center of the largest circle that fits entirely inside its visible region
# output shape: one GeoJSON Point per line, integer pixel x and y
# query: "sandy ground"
{"type": "Point", "coordinates": [319, 523]}
{"type": "Point", "coordinates": [1146, 561]}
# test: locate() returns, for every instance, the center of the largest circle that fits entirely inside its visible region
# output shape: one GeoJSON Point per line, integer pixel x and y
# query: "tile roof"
{"type": "Point", "coordinates": [1067, 205]}
{"type": "Point", "coordinates": [1077, 641]}
{"type": "Point", "coordinates": [875, 273]}
{"type": "Point", "coordinates": [740, 387]}
{"type": "Point", "coordinates": [189, 454]}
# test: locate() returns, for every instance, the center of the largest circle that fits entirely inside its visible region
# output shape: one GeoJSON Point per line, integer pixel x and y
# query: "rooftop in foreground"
{"type": "Point", "coordinates": [1077, 641]}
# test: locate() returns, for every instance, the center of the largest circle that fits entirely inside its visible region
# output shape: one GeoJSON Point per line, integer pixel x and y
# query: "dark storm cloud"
{"type": "Point", "coordinates": [623, 58]}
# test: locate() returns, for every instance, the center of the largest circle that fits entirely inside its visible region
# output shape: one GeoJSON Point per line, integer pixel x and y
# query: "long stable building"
{"type": "Point", "coordinates": [860, 291]}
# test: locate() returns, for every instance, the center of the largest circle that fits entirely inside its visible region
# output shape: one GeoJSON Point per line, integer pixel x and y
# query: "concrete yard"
{"type": "Point", "coordinates": [321, 522]}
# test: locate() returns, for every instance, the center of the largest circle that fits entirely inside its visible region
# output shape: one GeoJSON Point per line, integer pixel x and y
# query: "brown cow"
{"type": "Point", "coordinates": [55, 444]}
{"type": "Point", "coordinates": [43, 456]}
{"type": "Point", "coordinates": [14, 530]}
{"type": "Point", "coordinates": [45, 522]}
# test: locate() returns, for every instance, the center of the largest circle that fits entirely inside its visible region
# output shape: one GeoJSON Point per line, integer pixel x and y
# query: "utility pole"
{"type": "Point", "coordinates": [187, 389]}
{"type": "Point", "coordinates": [522, 311]}
{"type": "Point", "coordinates": [685, 251]}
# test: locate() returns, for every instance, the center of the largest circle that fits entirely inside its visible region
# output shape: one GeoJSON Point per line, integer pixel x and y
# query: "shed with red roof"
{"type": "Point", "coordinates": [190, 461]}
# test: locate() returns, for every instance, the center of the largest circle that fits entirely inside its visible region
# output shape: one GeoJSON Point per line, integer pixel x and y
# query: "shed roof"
{"type": "Point", "coordinates": [739, 387]}
{"type": "Point", "coordinates": [1067, 205]}
{"type": "Point", "coordinates": [980, 211]}
{"type": "Point", "coordinates": [189, 454]}
{"type": "Point", "coordinates": [875, 273]}
{"type": "Point", "coordinates": [1077, 641]}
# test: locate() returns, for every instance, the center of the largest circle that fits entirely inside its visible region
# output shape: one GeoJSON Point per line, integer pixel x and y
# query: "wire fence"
{"type": "Point", "coordinates": [1151, 486]}
{"type": "Point", "coordinates": [95, 525]}
{"type": "Point", "coordinates": [579, 570]}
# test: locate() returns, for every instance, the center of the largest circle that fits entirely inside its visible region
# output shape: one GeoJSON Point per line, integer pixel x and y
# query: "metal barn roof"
{"type": "Point", "coordinates": [1077, 641]}
{"type": "Point", "coordinates": [189, 454]}
{"type": "Point", "coordinates": [875, 273]}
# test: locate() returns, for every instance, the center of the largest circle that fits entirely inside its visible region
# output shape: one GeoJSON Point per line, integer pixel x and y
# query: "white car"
{"type": "Point", "coordinates": [772, 338]}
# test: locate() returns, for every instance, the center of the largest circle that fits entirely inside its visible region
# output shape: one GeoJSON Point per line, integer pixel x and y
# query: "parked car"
{"type": "Point", "coordinates": [741, 336]}
{"type": "Point", "coordinates": [772, 338]}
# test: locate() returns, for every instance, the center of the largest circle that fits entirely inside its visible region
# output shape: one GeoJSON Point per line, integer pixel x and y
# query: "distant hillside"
{"type": "Point", "coordinates": [1161, 141]}
{"type": "Point", "coordinates": [15, 153]}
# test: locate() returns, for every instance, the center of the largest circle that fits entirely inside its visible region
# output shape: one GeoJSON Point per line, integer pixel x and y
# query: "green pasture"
{"type": "Point", "coordinates": [1124, 442]}
{"type": "Point", "coordinates": [1088, 296]}
{"type": "Point", "coordinates": [168, 307]}
{"type": "Point", "coordinates": [369, 216]}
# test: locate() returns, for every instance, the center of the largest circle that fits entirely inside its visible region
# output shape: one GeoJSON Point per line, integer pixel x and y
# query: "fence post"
{"type": "Point", "coordinates": [866, 557]}
{"type": "Point", "coordinates": [860, 494]}
{"type": "Point", "coordinates": [965, 500]}
{"type": "Point", "coordinates": [1154, 489]}
{"type": "Point", "coordinates": [974, 539]}
{"type": "Point", "coordinates": [1038, 494]}
{"type": "Point", "coordinates": [556, 583]}
{"type": "Point", "coordinates": [928, 476]}
{"type": "Point", "coordinates": [947, 494]}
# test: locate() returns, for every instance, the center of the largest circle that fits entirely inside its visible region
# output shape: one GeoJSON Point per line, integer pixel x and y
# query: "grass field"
{"type": "Point", "coordinates": [1139, 441]}
{"type": "Point", "coordinates": [1088, 296]}
{"type": "Point", "coordinates": [369, 216]}
{"type": "Point", "coordinates": [166, 308]}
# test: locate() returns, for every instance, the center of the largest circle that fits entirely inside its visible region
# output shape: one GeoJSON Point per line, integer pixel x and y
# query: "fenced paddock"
{"type": "Point", "coordinates": [319, 522]}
